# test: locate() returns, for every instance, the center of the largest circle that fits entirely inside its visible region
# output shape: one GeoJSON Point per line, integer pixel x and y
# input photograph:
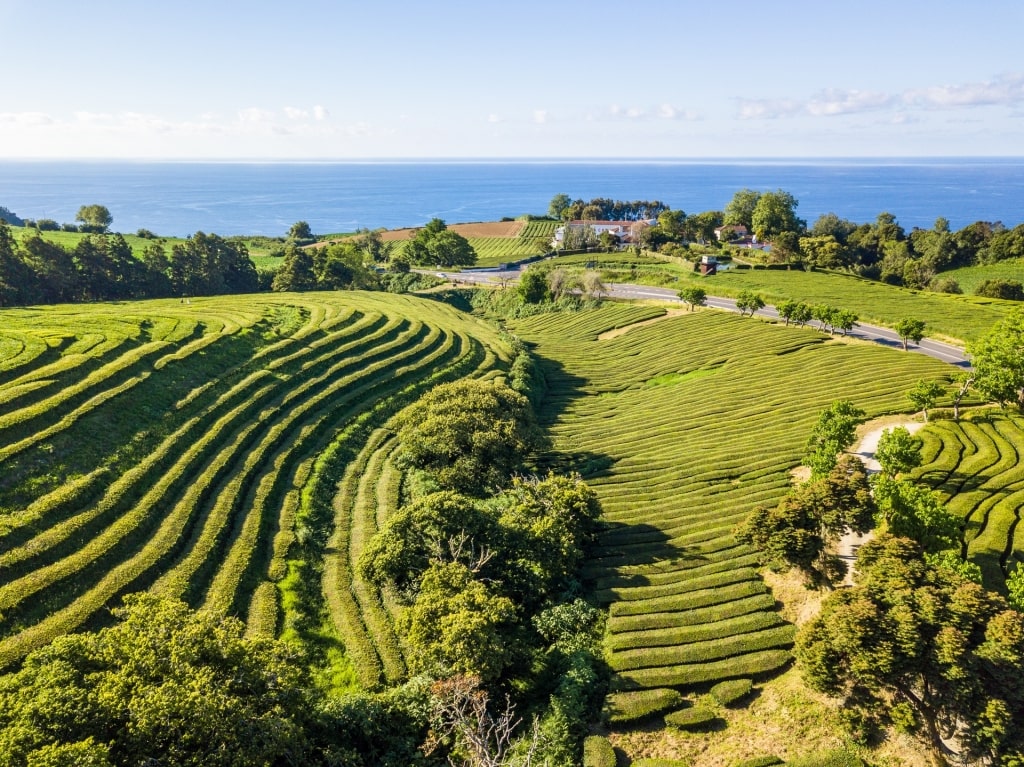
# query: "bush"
{"type": "Point", "coordinates": [758, 761]}
{"type": "Point", "coordinates": [694, 718]}
{"type": "Point", "coordinates": [598, 752]}
{"type": "Point", "coordinates": [1010, 290]}
{"type": "Point", "coordinates": [839, 757]}
{"type": "Point", "coordinates": [731, 691]}
{"type": "Point", "coordinates": [945, 285]}
{"type": "Point", "coordinates": [68, 228]}
{"type": "Point", "coordinates": [47, 225]}
{"type": "Point", "coordinates": [634, 706]}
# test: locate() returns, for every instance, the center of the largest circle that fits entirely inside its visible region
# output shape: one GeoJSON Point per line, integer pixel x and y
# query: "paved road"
{"type": "Point", "coordinates": [940, 351]}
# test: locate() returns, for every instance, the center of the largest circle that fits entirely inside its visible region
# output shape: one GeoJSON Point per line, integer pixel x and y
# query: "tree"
{"type": "Point", "coordinates": [740, 210]}
{"type": "Point", "coordinates": [775, 213]}
{"type": "Point", "coordinates": [998, 359]}
{"type": "Point", "coordinates": [301, 234]}
{"type": "Point", "coordinates": [749, 301]}
{"type": "Point", "coordinates": [787, 309]}
{"type": "Point", "coordinates": [1008, 290]}
{"type": "Point", "coordinates": [561, 282]}
{"type": "Point", "coordinates": [422, 531]}
{"type": "Point", "coordinates": [921, 646]}
{"type": "Point", "coordinates": [533, 286]}
{"type": "Point", "coordinates": [898, 451]}
{"type": "Point", "coordinates": [672, 222]}
{"type": "Point", "coordinates": [437, 245]}
{"type": "Point", "coordinates": [470, 434]}
{"type": "Point", "coordinates": [912, 511]}
{"type": "Point", "coordinates": [962, 383]}
{"type": "Point", "coordinates": [163, 685]}
{"type": "Point", "coordinates": [558, 205]}
{"type": "Point", "coordinates": [592, 285]}
{"type": "Point", "coordinates": [925, 394]}
{"type": "Point", "coordinates": [910, 329]}
{"type": "Point", "coordinates": [459, 625]}
{"type": "Point", "coordinates": [845, 320]}
{"type": "Point", "coordinates": [296, 271]}
{"type": "Point", "coordinates": [834, 431]}
{"type": "Point", "coordinates": [694, 296]}
{"type": "Point", "coordinates": [547, 525]}
{"type": "Point", "coordinates": [94, 218]}
{"type": "Point", "coordinates": [811, 518]}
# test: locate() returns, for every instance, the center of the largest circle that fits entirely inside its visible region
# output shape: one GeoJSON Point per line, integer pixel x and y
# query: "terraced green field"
{"type": "Point", "coordinates": [492, 251]}
{"type": "Point", "coordinates": [969, 277]}
{"type": "Point", "coordinates": [976, 465]}
{"type": "Point", "coordinates": [683, 426]}
{"type": "Point", "coordinates": [196, 449]}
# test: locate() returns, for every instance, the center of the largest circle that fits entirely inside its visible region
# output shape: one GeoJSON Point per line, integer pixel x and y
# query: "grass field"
{"type": "Point", "coordinates": [683, 426]}
{"type": "Point", "coordinates": [259, 247]}
{"type": "Point", "coordinates": [948, 317]}
{"type": "Point", "coordinates": [192, 449]}
{"type": "Point", "coordinates": [975, 464]}
{"type": "Point", "coordinates": [969, 277]}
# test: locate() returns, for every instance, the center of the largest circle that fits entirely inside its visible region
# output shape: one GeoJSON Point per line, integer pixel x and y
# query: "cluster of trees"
{"type": "Point", "coordinates": [486, 558]}
{"type": "Point", "coordinates": [339, 266]}
{"type": "Point", "coordinates": [565, 208]}
{"type": "Point", "coordinates": [103, 267]}
{"type": "Point", "coordinates": [437, 245]}
{"type": "Point", "coordinates": [917, 642]}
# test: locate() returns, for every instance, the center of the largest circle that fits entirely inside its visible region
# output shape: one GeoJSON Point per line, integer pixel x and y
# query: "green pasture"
{"type": "Point", "coordinates": [975, 464]}
{"type": "Point", "coordinates": [193, 449]}
{"type": "Point", "coordinates": [259, 247]}
{"type": "Point", "coordinates": [970, 277]}
{"type": "Point", "coordinates": [957, 318]}
{"type": "Point", "coordinates": [683, 426]}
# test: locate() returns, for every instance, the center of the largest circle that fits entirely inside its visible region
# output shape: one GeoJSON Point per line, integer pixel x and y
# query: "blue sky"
{"type": "Point", "coordinates": [311, 79]}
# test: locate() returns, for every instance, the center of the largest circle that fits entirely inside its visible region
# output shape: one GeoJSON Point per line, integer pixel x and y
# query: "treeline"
{"type": "Point", "coordinates": [604, 209]}
{"type": "Point", "coordinates": [103, 267]}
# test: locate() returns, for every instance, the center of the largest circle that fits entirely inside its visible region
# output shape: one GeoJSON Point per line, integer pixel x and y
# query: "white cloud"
{"type": "Point", "coordinates": [840, 102]}
{"type": "Point", "coordinates": [540, 116]}
{"type": "Point", "coordinates": [26, 118]}
{"type": "Point", "coordinates": [320, 113]}
{"type": "Point", "coordinates": [493, 118]}
{"type": "Point", "coordinates": [292, 113]}
{"type": "Point", "coordinates": [768, 109]}
{"type": "Point", "coordinates": [1004, 90]}
{"type": "Point", "coordinates": [255, 115]}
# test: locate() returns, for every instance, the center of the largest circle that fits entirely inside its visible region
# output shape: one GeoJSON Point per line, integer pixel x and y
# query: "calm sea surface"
{"type": "Point", "coordinates": [267, 198]}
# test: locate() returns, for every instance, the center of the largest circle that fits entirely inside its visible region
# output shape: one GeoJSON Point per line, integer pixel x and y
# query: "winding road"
{"type": "Point", "coordinates": [948, 353]}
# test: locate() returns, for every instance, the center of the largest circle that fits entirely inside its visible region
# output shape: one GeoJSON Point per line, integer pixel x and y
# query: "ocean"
{"type": "Point", "coordinates": [229, 198]}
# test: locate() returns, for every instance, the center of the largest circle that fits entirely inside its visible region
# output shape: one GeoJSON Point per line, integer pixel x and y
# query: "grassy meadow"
{"type": "Point", "coordinates": [956, 318]}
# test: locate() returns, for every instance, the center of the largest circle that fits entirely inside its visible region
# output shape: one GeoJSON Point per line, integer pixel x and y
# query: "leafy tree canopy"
{"type": "Point", "coordinates": [437, 245]}
{"type": "Point", "coordinates": [94, 218]}
{"type": "Point", "coordinates": [471, 435]}
{"type": "Point", "coordinates": [998, 360]}
{"type": "Point", "coordinates": [164, 685]}
{"type": "Point", "coordinates": [921, 646]}
{"type": "Point", "coordinates": [834, 431]}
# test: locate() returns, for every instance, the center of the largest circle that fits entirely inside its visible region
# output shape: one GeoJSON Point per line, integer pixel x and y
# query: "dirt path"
{"type": "Point", "coordinates": [616, 332]}
{"type": "Point", "coordinates": [847, 547]}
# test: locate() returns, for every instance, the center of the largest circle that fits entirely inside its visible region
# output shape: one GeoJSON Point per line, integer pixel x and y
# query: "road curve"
{"type": "Point", "coordinates": [944, 352]}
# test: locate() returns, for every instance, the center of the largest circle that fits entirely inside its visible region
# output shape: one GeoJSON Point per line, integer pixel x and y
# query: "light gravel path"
{"type": "Point", "coordinates": [847, 547]}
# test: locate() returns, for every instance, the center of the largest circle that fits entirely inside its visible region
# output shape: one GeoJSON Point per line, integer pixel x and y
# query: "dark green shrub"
{"type": "Point", "coordinates": [694, 718]}
{"type": "Point", "coordinates": [598, 752]}
{"type": "Point", "coordinates": [633, 706]}
{"type": "Point", "coordinates": [731, 691]}
{"type": "Point", "coordinates": [758, 761]}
